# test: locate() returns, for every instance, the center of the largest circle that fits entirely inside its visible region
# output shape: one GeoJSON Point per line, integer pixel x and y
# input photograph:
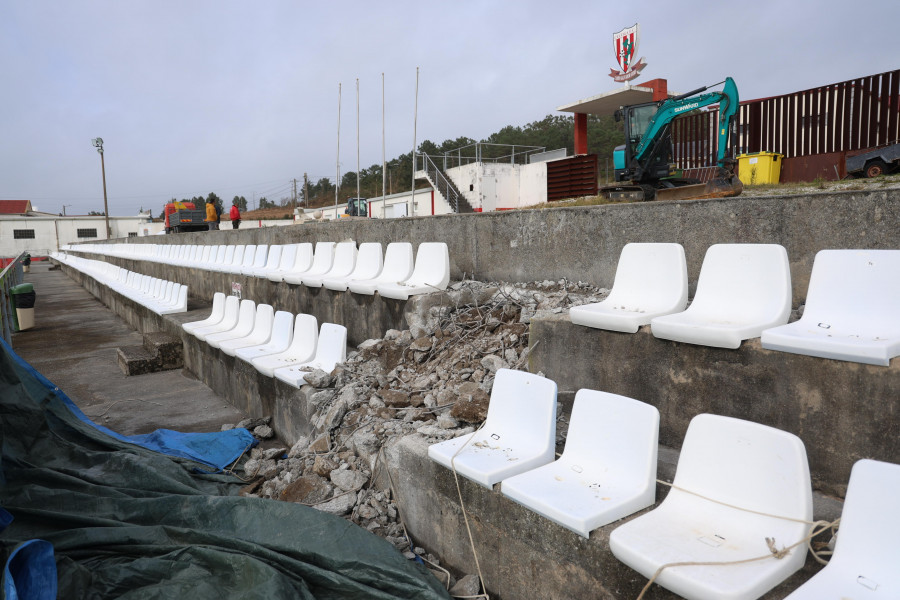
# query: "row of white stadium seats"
{"type": "Point", "coordinates": [337, 266]}
{"type": "Point", "coordinates": [744, 291]}
{"type": "Point", "coordinates": [737, 483]}
{"type": "Point", "coordinates": [161, 296]}
{"type": "Point", "coordinates": [276, 343]}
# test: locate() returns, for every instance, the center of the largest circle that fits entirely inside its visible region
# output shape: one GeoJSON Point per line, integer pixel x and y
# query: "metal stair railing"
{"type": "Point", "coordinates": [444, 186]}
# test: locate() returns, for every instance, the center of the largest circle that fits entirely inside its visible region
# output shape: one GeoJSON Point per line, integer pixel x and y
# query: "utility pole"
{"type": "Point", "coordinates": [305, 191]}
{"type": "Point", "coordinates": [294, 200]}
{"type": "Point", "coordinates": [98, 143]}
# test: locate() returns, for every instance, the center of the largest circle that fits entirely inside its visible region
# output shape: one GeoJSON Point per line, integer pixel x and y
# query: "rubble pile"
{"type": "Point", "coordinates": [433, 379]}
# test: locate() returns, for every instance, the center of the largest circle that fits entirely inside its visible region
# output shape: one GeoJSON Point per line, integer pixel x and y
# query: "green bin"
{"type": "Point", "coordinates": [23, 298]}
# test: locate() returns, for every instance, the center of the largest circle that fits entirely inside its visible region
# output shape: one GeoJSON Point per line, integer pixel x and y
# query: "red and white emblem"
{"type": "Point", "coordinates": [626, 44]}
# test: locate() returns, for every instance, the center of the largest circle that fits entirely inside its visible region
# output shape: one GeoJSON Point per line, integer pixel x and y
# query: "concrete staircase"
{"type": "Point", "coordinates": [159, 352]}
{"type": "Point", "coordinates": [444, 186]}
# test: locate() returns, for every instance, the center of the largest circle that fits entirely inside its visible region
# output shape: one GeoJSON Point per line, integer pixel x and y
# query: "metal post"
{"type": "Point", "coordinates": [383, 160]}
{"type": "Point", "coordinates": [337, 180]}
{"type": "Point", "coordinates": [357, 139]}
{"type": "Point", "coordinates": [105, 203]}
{"type": "Point", "coordinates": [412, 196]}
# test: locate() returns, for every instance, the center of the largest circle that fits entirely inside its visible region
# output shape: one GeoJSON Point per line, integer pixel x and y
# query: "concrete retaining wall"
{"type": "Point", "coordinates": [583, 244]}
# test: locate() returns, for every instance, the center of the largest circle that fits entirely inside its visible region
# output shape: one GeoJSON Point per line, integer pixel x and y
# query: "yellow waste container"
{"type": "Point", "coordinates": [759, 168]}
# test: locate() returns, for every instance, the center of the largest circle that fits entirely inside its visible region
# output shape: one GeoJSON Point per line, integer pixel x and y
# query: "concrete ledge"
{"type": "Point", "coordinates": [522, 554]}
{"type": "Point", "coordinates": [842, 411]}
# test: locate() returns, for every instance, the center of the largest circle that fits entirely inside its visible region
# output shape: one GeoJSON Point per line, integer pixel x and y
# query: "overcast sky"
{"type": "Point", "coordinates": [238, 98]}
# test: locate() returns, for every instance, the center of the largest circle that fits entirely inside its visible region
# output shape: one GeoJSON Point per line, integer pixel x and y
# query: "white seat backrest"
{"type": "Point", "coordinates": [246, 317]}
{"type": "Point", "coordinates": [432, 265]}
{"type": "Point", "coordinates": [344, 259]}
{"type": "Point", "coordinates": [617, 432]}
{"type": "Point", "coordinates": [650, 276]}
{"type": "Point", "coordinates": [274, 257]}
{"type": "Point", "coordinates": [282, 329]}
{"type": "Point", "coordinates": [332, 347]}
{"type": "Point", "coordinates": [249, 256]}
{"type": "Point", "coordinates": [229, 256]}
{"type": "Point", "coordinates": [218, 307]}
{"type": "Point", "coordinates": [181, 299]}
{"type": "Point", "coordinates": [398, 262]}
{"type": "Point", "coordinates": [204, 258]}
{"type": "Point", "coordinates": [238, 256]}
{"type": "Point", "coordinates": [855, 287]}
{"type": "Point", "coordinates": [232, 312]}
{"type": "Point", "coordinates": [188, 254]}
{"type": "Point", "coordinates": [745, 279]}
{"type": "Point", "coordinates": [746, 464]}
{"type": "Point", "coordinates": [522, 407]}
{"type": "Point", "coordinates": [306, 335]}
{"type": "Point", "coordinates": [259, 259]}
{"type": "Point", "coordinates": [288, 257]}
{"type": "Point", "coordinates": [369, 261]}
{"type": "Point", "coordinates": [870, 522]}
{"type": "Point", "coordinates": [262, 323]}
{"type": "Point", "coordinates": [323, 258]}
{"type": "Point", "coordinates": [166, 293]}
{"type": "Point", "coordinates": [303, 259]}
{"type": "Point", "coordinates": [218, 255]}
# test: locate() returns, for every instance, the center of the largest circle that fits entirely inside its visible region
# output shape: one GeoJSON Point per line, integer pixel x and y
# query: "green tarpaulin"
{"type": "Point", "coordinates": [127, 522]}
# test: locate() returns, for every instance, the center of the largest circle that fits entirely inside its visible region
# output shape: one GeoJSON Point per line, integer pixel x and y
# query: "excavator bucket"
{"type": "Point", "coordinates": [717, 187]}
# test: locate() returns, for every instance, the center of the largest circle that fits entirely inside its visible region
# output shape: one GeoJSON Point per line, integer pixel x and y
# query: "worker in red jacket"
{"type": "Point", "coordinates": [235, 216]}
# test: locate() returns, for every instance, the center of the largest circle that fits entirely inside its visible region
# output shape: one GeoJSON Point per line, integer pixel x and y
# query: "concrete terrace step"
{"type": "Point", "coordinates": [159, 352]}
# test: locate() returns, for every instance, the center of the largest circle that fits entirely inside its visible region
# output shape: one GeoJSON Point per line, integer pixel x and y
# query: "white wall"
{"type": "Point", "coordinates": [383, 208]}
{"type": "Point", "coordinates": [52, 232]}
{"type": "Point", "coordinates": [501, 186]}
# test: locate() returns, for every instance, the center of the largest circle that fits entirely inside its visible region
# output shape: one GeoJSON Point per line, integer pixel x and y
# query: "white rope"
{"type": "Point", "coordinates": [774, 552]}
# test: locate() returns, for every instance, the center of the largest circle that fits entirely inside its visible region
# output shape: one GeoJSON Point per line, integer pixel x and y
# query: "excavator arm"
{"type": "Point", "coordinates": [672, 108]}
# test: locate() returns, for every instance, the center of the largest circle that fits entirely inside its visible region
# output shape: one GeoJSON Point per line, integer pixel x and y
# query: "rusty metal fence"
{"type": "Point", "coordinates": [831, 120]}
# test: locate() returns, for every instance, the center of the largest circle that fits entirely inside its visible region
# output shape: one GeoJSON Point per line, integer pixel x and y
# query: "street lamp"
{"type": "Point", "coordinates": [98, 144]}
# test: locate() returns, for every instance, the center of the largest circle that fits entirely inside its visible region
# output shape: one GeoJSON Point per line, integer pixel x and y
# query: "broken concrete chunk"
{"type": "Point", "coordinates": [299, 447]}
{"type": "Point", "coordinates": [348, 480]}
{"type": "Point", "coordinates": [263, 432]}
{"type": "Point", "coordinates": [394, 397]}
{"type": "Point", "coordinates": [339, 505]}
{"type": "Point", "coordinates": [492, 363]}
{"type": "Point", "coordinates": [309, 489]}
{"type": "Point", "coordinates": [467, 586]}
{"type": "Point", "coordinates": [318, 378]}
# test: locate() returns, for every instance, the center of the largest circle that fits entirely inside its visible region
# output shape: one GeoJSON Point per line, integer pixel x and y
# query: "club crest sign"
{"type": "Point", "coordinates": [625, 43]}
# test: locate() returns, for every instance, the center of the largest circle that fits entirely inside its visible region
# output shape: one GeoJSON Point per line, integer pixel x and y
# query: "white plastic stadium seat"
{"type": "Point", "coordinates": [431, 273]}
{"type": "Point", "coordinates": [297, 260]}
{"type": "Point", "coordinates": [246, 260]}
{"type": "Point", "coordinates": [398, 266]}
{"type": "Point", "coordinates": [331, 350]}
{"type": "Point", "coordinates": [228, 322]}
{"type": "Point", "coordinates": [369, 262]}
{"type": "Point", "coordinates": [260, 334]}
{"type": "Point", "coordinates": [280, 340]}
{"type": "Point", "coordinates": [273, 258]}
{"type": "Point", "coordinates": [651, 281]}
{"type": "Point", "coordinates": [178, 303]}
{"type": "Point", "coordinates": [218, 311]}
{"type": "Point", "coordinates": [344, 261]}
{"type": "Point", "coordinates": [246, 319]}
{"type": "Point", "coordinates": [606, 472]}
{"type": "Point", "coordinates": [518, 435]}
{"type": "Point", "coordinates": [302, 348]}
{"type": "Point", "coordinates": [852, 309]}
{"type": "Point", "coordinates": [321, 264]}
{"type": "Point", "coordinates": [258, 259]}
{"type": "Point", "coordinates": [865, 559]}
{"type": "Point", "coordinates": [742, 290]}
{"type": "Point", "coordinates": [226, 261]}
{"type": "Point", "coordinates": [734, 462]}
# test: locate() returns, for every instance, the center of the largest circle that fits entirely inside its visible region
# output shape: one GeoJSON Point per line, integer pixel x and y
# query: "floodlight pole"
{"type": "Point", "coordinates": [98, 143]}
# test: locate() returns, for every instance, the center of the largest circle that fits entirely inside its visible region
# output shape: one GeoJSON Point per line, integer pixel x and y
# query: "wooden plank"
{"type": "Point", "coordinates": [894, 108]}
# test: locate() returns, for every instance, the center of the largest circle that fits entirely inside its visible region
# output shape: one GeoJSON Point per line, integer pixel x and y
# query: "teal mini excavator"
{"type": "Point", "coordinates": [643, 166]}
